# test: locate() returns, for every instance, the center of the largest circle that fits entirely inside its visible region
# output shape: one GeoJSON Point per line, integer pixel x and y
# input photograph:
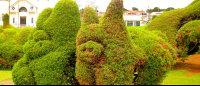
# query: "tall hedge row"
{"type": "Point", "coordinates": [170, 22]}
{"type": "Point", "coordinates": [49, 57]}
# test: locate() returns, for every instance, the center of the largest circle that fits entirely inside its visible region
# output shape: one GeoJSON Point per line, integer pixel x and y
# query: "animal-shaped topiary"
{"type": "Point", "coordinates": [188, 38]}
{"type": "Point", "coordinates": [49, 57]}
{"type": "Point", "coordinates": [170, 22]}
{"type": "Point", "coordinates": [161, 55]}
{"type": "Point", "coordinates": [105, 53]}
{"type": "Point", "coordinates": [44, 15]}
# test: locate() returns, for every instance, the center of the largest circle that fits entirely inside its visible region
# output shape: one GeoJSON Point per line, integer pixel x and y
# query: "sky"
{"type": "Point", "coordinates": [128, 4]}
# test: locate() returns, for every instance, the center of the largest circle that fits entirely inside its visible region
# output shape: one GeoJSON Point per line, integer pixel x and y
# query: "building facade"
{"type": "Point", "coordinates": [135, 18]}
{"type": "Point", "coordinates": [24, 14]}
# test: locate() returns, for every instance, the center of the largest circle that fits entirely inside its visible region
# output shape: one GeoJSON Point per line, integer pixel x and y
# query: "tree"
{"type": "Point", "coordinates": [169, 9]}
{"type": "Point", "coordinates": [134, 8]}
{"type": "Point", "coordinates": [125, 9]}
{"type": "Point", "coordinates": [156, 9]}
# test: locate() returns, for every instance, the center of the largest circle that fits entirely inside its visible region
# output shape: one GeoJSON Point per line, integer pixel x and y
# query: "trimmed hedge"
{"type": "Point", "coordinates": [161, 55]}
{"type": "Point", "coordinates": [43, 16]}
{"type": "Point", "coordinates": [11, 49]}
{"type": "Point", "coordinates": [171, 21]}
{"type": "Point", "coordinates": [5, 20]}
{"type": "Point", "coordinates": [188, 38]}
{"type": "Point", "coordinates": [49, 57]}
{"type": "Point", "coordinates": [105, 53]}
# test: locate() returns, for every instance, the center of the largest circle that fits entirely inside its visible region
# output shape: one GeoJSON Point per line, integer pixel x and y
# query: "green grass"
{"type": "Point", "coordinates": [177, 77]}
{"type": "Point", "coordinates": [5, 75]}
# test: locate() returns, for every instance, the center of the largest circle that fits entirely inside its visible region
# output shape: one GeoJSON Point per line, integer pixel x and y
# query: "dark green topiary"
{"type": "Point", "coordinates": [44, 15]}
{"type": "Point", "coordinates": [170, 22]}
{"type": "Point", "coordinates": [5, 20]}
{"type": "Point", "coordinates": [161, 55]}
{"type": "Point", "coordinates": [50, 52]}
{"type": "Point", "coordinates": [105, 53]}
{"type": "Point", "coordinates": [188, 38]}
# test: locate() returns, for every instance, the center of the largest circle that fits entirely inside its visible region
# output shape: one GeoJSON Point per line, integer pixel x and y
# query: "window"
{"type": "Point", "coordinates": [31, 20]}
{"type": "Point", "coordinates": [13, 8]}
{"type": "Point", "coordinates": [136, 23]}
{"type": "Point", "coordinates": [31, 7]}
{"type": "Point", "coordinates": [13, 20]}
{"type": "Point", "coordinates": [23, 9]}
{"type": "Point", "coordinates": [129, 23]}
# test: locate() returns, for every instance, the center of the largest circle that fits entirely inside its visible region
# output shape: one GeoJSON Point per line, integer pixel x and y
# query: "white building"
{"type": "Point", "coordinates": [135, 18]}
{"type": "Point", "coordinates": [25, 15]}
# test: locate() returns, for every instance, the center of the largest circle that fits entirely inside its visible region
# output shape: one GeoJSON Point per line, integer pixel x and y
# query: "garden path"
{"type": "Point", "coordinates": [192, 65]}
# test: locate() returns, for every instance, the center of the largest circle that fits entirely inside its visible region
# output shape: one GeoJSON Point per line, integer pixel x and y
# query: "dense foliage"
{"type": "Point", "coordinates": [49, 57]}
{"type": "Point", "coordinates": [188, 38]}
{"type": "Point", "coordinates": [11, 49]}
{"type": "Point", "coordinates": [170, 22]}
{"type": "Point", "coordinates": [161, 55]}
{"type": "Point", "coordinates": [5, 20]}
{"type": "Point", "coordinates": [44, 15]}
{"type": "Point", "coordinates": [106, 54]}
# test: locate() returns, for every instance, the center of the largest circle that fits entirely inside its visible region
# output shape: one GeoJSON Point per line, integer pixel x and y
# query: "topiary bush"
{"type": "Point", "coordinates": [43, 16]}
{"type": "Point", "coordinates": [49, 57]}
{"type": "Point", "coordinates": [23, 35]}
{"type": "Point", "coordinates": [1, 28]}
{"type": "Point", "coordinates": [188, 38]}
{"type": "Point", "coordinates": [5, 20]}
{"type": "Point", "coordinates": [105, 52]}
{"type": "Point", "coordinates": [161, 55]}
{"type": "Point", "coordinates": [171, 21]}
{"type": "Point", "coordinates": [11, 49]}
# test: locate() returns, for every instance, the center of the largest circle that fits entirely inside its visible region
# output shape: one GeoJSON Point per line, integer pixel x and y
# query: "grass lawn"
{"type": "Point", "coordinates": [5, 75]}
{"type": "Point", "coordinates": [177, 77]}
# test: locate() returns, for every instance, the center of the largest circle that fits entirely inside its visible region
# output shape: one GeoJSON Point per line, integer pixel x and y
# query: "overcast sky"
{"type": "Point", "coordinates": [128, 4]}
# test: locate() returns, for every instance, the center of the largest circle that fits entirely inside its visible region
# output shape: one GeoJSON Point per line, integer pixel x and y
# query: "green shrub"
{"type": "Point", "coordinates": [1, 28]}
{"type": "Point", "coordinates": [43, 16]}
{"type": "Point", "coordinates": [161, 55]}
{"type": "Point", "coordinates": [50, 52]}
{"type": "Point", "coordinates": [10, 49]}
{"type": "Point", "coordinates": [23, 35]}
{"type": "Point", "coordinates": [90, 16]}
{"type": "Point", "coordinates": [188, 38]}
{"type": "Point", "coordinates": [171, 21]}
{"type": "Point", "coordinates": [154, 16]}
{"type": "Point", "coordinates": [5, 20]}
{"type": "Point", "coordinates": [105, 53]}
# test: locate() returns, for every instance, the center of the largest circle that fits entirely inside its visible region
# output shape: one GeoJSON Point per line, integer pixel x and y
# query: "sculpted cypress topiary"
{"type": "Point", "coordinates": [161, 55]}
{"type": "Point", "coordinates": [170, 22]}
{"type": "Point", "coordinates": [5, 20]}
{"type": "Point", "coordinates": [44, 15]}
{"type": "Point", "coordinates": [105, 53]}
{"type": "Point", "coordinates": [188, 38]}
{"type": "Point", "coordinates": [49, 57]}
